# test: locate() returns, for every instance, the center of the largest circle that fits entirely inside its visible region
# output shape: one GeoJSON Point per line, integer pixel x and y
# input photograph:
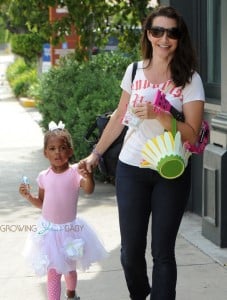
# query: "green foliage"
{"type": "Point", "coordinates": [94, 22]}
{"type": "Point", "coordinates": [23, 16]}
{"type": "Point", "coordinates": [77, 92]}
{"type": "Point", "coordinates": [21, 76]}
{"type": "Point", "coordinates": [16, 68]}
{"type": "Point", "coordinates": [33, 90]}
{"type": "Point", "coordinates": [2, 32]}
{"type": "Point", "coordinates": [27, 21]}
{"type": "Point", "coordinates": [20, 44]}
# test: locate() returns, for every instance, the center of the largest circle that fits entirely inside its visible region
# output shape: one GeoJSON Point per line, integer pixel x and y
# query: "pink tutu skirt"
{"type": "Point", "coordinates": [63, 247]}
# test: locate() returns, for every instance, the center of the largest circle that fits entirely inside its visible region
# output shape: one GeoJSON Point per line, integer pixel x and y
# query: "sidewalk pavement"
{"type": "Point", "coordinates": [202, 274]}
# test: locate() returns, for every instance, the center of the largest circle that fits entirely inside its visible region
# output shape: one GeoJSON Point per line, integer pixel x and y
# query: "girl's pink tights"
{"type": "Point", "coordinates": [71, 280]}
{"type": "Point", "coordinates": [54, 283]}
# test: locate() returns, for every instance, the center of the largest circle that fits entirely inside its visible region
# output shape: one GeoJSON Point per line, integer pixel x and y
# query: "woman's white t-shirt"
{"type": "Point", "coordinates": [141, 91]}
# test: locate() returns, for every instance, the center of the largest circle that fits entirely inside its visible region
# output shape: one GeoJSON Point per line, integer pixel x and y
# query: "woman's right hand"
{"type": "Point", "coordinates": [91, 162]}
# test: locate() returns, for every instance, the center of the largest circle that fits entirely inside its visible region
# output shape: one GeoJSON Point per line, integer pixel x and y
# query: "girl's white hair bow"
{"type": "Point", "coordinates": [53, 126]}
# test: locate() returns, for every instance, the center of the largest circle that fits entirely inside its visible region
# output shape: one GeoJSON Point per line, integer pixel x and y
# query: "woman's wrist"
{"type": "Point", "coordinates": [97, 153]}
{"type": "Point", "coordinates": [161, 115]}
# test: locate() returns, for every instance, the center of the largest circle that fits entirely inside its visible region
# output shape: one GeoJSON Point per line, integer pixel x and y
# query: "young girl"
{"type": "Point", "coordinates": [62, 242]}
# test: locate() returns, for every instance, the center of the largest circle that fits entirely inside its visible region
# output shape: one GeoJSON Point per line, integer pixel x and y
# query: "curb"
{"type": "Point", "coordinates": [26, 102]}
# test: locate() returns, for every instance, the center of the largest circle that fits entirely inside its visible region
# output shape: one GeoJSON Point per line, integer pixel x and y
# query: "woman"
{"type": "Point", "coordinates": [169, 64]}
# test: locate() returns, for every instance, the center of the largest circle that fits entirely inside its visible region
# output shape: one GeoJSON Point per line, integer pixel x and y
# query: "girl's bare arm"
{"type": "Point", "coordinates": [37, 201]}
{"type": "Point", "coordinates": [87, 182]}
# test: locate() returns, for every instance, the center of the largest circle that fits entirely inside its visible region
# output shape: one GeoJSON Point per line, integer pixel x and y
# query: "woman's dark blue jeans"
{"type": "Point", "coordinates": [141, 193]}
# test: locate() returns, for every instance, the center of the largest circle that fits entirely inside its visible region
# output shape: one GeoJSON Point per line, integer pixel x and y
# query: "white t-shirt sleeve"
{"type": "Point", "coordinates": [126, 83]}
{"type": "Point", "coordinates": [194, 90]}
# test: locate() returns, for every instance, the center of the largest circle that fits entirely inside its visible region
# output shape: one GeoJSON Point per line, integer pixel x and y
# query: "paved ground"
{"type": "Point", "coordinates": [202, 274]}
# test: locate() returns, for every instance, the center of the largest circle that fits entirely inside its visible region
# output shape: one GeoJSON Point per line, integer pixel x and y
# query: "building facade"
{"type": "Point", "coordinates": [208, 27]}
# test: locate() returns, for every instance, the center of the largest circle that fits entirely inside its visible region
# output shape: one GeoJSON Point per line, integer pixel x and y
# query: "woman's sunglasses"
{"type": "Point", "coordinates": [172, 33]}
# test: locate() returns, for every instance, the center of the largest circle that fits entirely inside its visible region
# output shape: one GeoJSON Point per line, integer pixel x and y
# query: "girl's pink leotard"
{"type": "Point", "coordinates": [61, 194]}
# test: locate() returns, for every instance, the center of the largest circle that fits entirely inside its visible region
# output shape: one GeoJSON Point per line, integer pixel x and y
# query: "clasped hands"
{"type": "Point", "coordinates": [85, 167]}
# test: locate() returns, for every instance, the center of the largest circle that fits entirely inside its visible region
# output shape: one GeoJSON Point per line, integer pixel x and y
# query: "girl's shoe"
{"type": "Point", "coordinates": [74, 298]}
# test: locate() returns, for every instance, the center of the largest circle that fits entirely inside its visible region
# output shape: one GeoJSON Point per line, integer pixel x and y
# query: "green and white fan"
{"type": "Point", "coordinates": [166, 154]}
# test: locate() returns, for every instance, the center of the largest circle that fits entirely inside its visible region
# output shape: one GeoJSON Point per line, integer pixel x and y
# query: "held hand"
{"type": "Point", "coordinates": [87, 182]}
{"type": "Point", "coordinates": [91, 162]}
{"type": "Point", "coordinates": [82, 169]}
{"type": "Point", "coordinates": [145, 111]}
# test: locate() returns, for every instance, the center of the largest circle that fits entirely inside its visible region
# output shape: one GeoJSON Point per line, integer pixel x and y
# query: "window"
{"type": "Point", "coordinates": [213, 42]}
{"type": "Point", "coordinates": [211, 48]}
